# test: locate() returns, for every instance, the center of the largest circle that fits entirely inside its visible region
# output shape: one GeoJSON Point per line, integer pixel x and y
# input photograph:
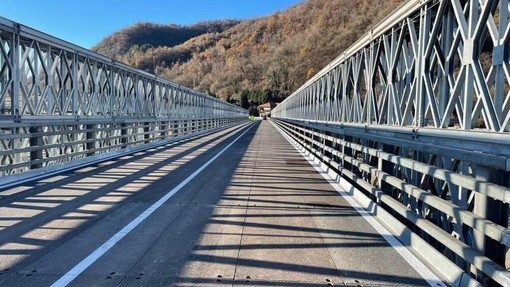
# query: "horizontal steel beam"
{"type": "Point", "coordinates": [360, 160]}
{"type": "Point", "coordinates": [60, 103]}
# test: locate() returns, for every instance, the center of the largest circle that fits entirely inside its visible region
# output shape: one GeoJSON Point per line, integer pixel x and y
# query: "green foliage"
{"type": "Point", "coordinates": [244, 102]}
{"type": "Point", "coordinates": [263, 59]}
{"type": "Point", "coordinates": [254, 111]}
{"type": "Point", "coordinates": [259, 97]}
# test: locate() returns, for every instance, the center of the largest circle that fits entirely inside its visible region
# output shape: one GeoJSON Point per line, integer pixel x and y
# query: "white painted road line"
{"type": "Point", "coordinates": [89, 260]}
{"type": "Point", "coordinates": [423, 270]}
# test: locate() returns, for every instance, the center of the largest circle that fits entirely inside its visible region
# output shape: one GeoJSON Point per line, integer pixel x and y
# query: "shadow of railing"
{"type": "Point", "coordinates": [71, 202]}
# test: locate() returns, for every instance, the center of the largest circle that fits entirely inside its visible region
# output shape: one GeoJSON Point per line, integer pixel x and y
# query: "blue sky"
{"type": "Point", "coordinates": [86, 22]}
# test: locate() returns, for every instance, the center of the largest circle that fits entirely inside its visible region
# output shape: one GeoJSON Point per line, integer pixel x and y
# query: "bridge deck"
{"type": "Point", "coordinates": [258, 215]}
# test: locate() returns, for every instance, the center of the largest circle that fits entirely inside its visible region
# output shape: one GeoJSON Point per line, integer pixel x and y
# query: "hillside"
{"type": "Point", "coordinates": [260, 58]}
{"type": "Point", "coordinates": [126, 43]}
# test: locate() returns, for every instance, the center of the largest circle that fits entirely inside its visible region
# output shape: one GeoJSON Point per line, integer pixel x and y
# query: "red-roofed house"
{"type": "Point", "coordinates": [265, 109]}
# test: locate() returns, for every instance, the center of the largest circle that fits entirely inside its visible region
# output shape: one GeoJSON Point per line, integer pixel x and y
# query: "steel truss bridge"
{"type": "Point", "coordinates": [60, 103]}
{"type": "Point", "coordinates": [415, 116]}
{"type": "Point", "coordinates": [412, 123]}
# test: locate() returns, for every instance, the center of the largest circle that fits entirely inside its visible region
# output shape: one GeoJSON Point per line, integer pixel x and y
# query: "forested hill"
{"type": "Point", "coordinates": [124, 44]}
{"type": "Point", "coordinates": [255, 59]}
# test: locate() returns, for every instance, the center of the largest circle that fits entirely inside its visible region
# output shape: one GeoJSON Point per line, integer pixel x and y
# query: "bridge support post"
{"type": "Point", "coordinates": [163, 130]}
{"type": "Point", "coordinates": [493, 210]}
{"type": "Point", "coordinates": [325, 153]}
{"type": "Point", "coordinates": [347, 152]}
{"type": "Point", "coordinates": [147, 132]}
{"type": "Point", "coordinates": [124, 135]}
{"type": "Point", "coordinates": [36, 142]}
{"type": "Point", "coordinates": [91, 137]}
{"type": "Point", "coordinates": [386, 167]}
{"type": "Point", "coordinates": [175, 125]}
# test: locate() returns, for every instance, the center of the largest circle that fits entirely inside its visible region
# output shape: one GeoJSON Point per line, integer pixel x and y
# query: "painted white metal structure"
{"type": "Point", "coordinates": [416, 116]}
{"type": "Point", "coordinates": [60, 102]}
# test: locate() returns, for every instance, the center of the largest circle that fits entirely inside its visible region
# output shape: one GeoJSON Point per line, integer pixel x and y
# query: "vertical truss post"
{"type": "Point", "coordinates": [91, 137]}
{"type": "Point", "coordinates": [386, 167]}
{"type": "Point", "coordinates": [491, 209]}
{"type": "Point", "coordinates": [16, 76]}
{"type": "Point", "coordinates": [422, 63]}
{"type": "Point", "coordinates": [163, 129]}
{"type": "Point", "coordinates": [470, 48]}
{"type": "Point", "coordinates": [124, 135]}
{"type": "Point", "coordinates": [147, 127]}
{"type": "Point", "coordinates": [50, 82]}
{"type": "Point", "coordinates": [112, 92]}
{"type": "Point", "coordinates": [175, 126]}
{"type": "Point", "coordinates": [75, 86]}
{"type": "Point", "coordinates": [36, 144]}
{"type": "Point", "coordinates": [446, 44]}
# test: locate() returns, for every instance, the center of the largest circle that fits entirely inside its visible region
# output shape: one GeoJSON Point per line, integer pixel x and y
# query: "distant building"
{"type": "Point", "coordinates": [265, 109]}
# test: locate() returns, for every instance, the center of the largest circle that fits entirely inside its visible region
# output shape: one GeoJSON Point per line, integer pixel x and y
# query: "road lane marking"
{"type": "Point", "coordinates": [89, 260]}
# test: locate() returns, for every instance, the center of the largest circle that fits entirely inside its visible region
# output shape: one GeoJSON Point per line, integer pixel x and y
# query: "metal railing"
{"type": "Point", "coordinates": [415, 115]}
{"type": "Point", "coordinates": [60, 102]}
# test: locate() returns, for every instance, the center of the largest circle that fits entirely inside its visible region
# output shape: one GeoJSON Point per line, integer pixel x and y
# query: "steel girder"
{"type": "Point", "coordinates": [416, 115]}
{"type": "Point", "coordinates": [44, 76]}
{"type": "Point", "coordinates": [429, 64]}
{"type": "Point", "coordinates": [60, 102]}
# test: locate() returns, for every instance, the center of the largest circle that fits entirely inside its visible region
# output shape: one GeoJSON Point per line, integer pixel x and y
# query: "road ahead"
{"type": "Point", "coordinates": [194, 213]}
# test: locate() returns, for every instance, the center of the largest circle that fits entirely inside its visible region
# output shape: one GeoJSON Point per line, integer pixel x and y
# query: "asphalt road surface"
{"type": "Point", "coordinates": [239, 207]}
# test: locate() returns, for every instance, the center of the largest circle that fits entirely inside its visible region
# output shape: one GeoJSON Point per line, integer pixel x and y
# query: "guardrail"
{"type": "Point", "coordinates": [415, 116]}
{"type": "Point", "coordinates": [60, 102]}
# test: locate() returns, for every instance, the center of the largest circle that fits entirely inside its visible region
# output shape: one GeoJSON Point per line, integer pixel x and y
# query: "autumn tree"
{"type": "Point", "coordinates": [256, 60]}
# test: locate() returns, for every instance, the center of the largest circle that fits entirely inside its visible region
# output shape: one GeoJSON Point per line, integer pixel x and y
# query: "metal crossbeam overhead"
{"type": "Point", "coordinates": [60, 102]}
{"type": "Point", "coordinates": [416, 115]}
